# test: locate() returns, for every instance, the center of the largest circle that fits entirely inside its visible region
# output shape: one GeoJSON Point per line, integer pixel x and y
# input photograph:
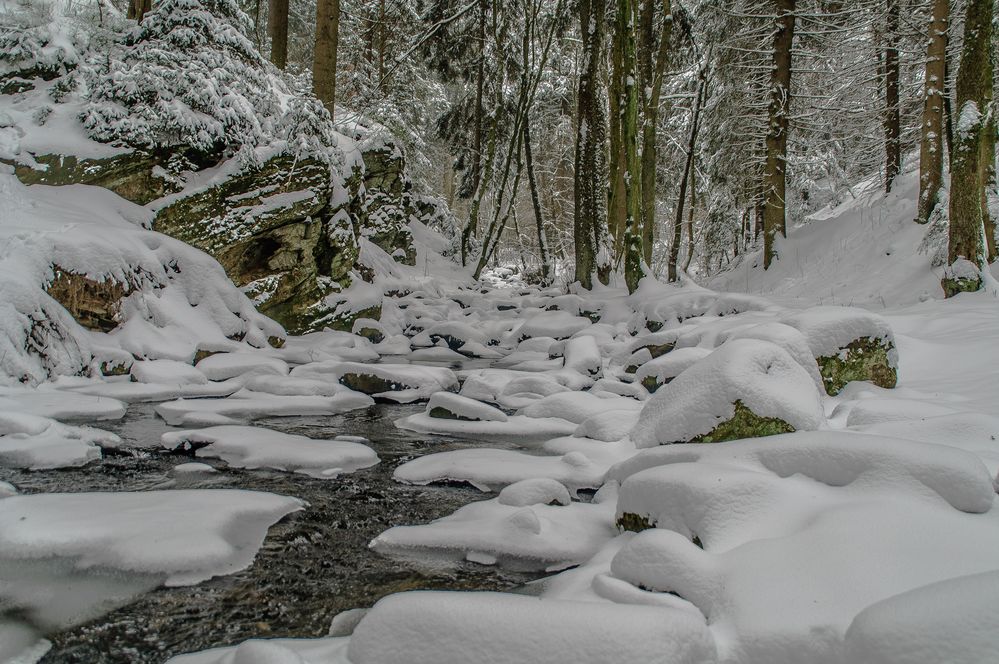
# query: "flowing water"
{"type": "Point", "coordinates": [313, 564]}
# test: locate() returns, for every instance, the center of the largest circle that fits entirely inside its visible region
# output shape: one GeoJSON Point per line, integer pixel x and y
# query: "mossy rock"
{"type": "Point", "coordinates": [133, 176]}
{"type": "Point", "coordinates": [651, 383]}
{"type": "Point", "coordinates": [372, 334]}
{"type": "Point", "coordinates": [276, 342]}
{"type": "Point", "coordinates": [115, 368]}
{"type": "Point", "coordinates": [93, 304]}
{"type": "Point", "coordinates": [653, 325]}
{"type": "Point", "coordinates": [594, 316]}
{"type": "Point", "coordinates": [280, 191]}
{"type": "Point", "coordinates": [370, 384]}
{"type": "Point", "coordinates": [634, 523]}
{"type": "Point", "coordinates": [953, 286]}
{"type": "Point", "coordinates": [439, 412]}
{"type": "Point", "coordinates": [744, 424]}
{"type": "Point", "coordinates": [864, 359]}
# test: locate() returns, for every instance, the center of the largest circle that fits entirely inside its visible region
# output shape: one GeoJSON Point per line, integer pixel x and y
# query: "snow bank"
{"type": "Point", "coordinates": [759, 375]}
{"type": "Point", "coordinates": [443, 628]}
{"type": "Point", "coordinates": [950, 621]}
{"type": "Point", "coordinates": [174, 298]}
{"type": "Point", "coordinates": [253, 447]}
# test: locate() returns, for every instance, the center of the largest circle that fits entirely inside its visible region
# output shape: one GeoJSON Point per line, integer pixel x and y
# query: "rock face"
{"type": "Point", "coordinates": [135, 176]}
{"type": "Point", "coordinates": [287, 232]}
{"type": "Point", "coordinates": [94, 304]}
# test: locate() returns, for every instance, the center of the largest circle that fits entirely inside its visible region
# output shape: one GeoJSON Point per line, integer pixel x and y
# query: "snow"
{"type": "Point", "coordinates": [828, 329]}
{"type": "Point", "coordinates": [66, 558]}
{"type": "Point", "coordinates": [40, 443]}
{"type": "Point", "coordinates": [247, 405]}
{"type": "Point", "coordinates": [583, 355]}
{"type": "Point", "coordinates": [60, 405]}
{"type": "Point", "coordinates": [555, 324]}
{"type": "Point", "coordinates": [253, 447]}
{"type": "Point", "coordinates": [409, 382]}
{"type": "Point", "coordinates": [223, 366]}
{"type": "Point", "coordinates": [533, 537]}
{"type": "Point", "coordinates": [539, 491]}
{"type": "Point", "coordinates": [465, 408]}
{"type": "Point", "coordinates": [168, 372]}
{"type": "Point", "coordinates": [443, 628]}
{"type": "Point", "coordinates": [178, 298]}
{"type": "Point", "coordinates": [490, 469]}
{"type": "Point", "coordinates": [923, 625]}
{"type": "Point", "coordinates": [759, 374]}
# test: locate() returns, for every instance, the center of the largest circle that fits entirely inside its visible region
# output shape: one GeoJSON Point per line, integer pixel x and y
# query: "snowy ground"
{"type": "Point", "coordinates": [835, 543]}
{"type": "Point", "coordinates": [862, 528]}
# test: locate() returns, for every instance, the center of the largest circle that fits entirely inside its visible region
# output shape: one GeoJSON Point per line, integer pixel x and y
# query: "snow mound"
{"type": "Point", "coordinates": [489, 469]}
{"type": "Point", "coordinates": [443, 628]}
{"type": "Point", "coordinates": [39, 443]}
{"type": "Point", "coordinates": [459, 407]}
{"type": "Point", "coordinates": [169, 372]}
{"type": "Point", "coordinates": [758, 374]}
{"type": "Point", "coordinates": [252, 447]}
{"type": "Point", "coordinates": [527, 537]}
{"type": "Point", "coordinates": [829, 329]}
{"type": "Point", "coordinates": [950, 621]}
{"type": "Point", "coordinates": [554, 324]}
{"type": "Point", "coordinates": [246, 405]}
{"type": "Point", "coordinates": [539, 491]}
{"type": "Point", "coordinates": [662, 370]}
{"type": "Point", "coordinates": [67, 558]}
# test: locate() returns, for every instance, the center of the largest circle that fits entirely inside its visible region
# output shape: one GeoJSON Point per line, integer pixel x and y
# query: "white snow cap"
{"type": "Point", "coordinates": [759, 374]}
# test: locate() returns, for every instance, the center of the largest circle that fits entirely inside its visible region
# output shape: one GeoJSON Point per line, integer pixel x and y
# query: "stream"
{"type": "Point", "coordinates": [312, 565]}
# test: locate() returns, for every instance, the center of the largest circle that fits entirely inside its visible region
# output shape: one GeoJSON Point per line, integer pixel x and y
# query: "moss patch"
{"type": "Point", "coordinates": [634, 522]}
{"type": "Point", "coordinates": [863, 359]}
{"type": "Point", "coordinates": [744, 424]}
{"type": "Point", "coordinates": [952, 287]}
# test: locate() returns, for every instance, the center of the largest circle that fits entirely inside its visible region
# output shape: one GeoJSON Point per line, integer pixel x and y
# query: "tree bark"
{"type": "Point", "coordinates": [139, 8]}
{"type": "Point", "coordinates": [893, 132]}
{"type": "Point", "coordinates": [674, 249]}
{"type": "Point", "coordinates": [277, 30]}
{"type": "Point", "coordinates": [324, 58]}
{"type": "Point", "coordinates": [652, 75]}
{"type": "Point", "coordinates": [775, 176]}
{"type": "Point", "coordinates": [589, 199]}
{"type": "Point", "coordinates": [633, 257]}
{"type": "Point", "coordinates": [931, 147]}
{"type": "Point", "coordinates": [539, 219]}
{"type": "Point", "coordinates": [968, 165]}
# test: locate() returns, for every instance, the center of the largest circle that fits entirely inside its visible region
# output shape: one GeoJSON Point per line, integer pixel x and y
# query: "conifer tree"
{"type": "Point", "coordinates": [324, 58]}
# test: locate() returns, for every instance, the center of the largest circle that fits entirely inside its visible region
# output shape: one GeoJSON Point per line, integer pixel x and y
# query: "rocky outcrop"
{"type": "Point", "coordinates": [135, 176]}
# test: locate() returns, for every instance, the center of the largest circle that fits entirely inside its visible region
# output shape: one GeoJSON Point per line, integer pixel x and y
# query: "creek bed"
{"type": "Point", "coordinates": [313, 564]}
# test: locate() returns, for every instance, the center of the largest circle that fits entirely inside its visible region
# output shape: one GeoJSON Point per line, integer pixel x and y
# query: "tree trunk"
{"type": "Point", "coordinates": [139, 8]}
{"type": "Point", "coordinates": [617, 203]}
{"type": "Point", "coordinates": [775, 176]}
{"type": "Point", "coordinates": [477, 157]}
{"type": "Point", "coordinates": [633, 272]}
{"type": "Point", "coordinates": [968, 165]}
{"type": "Point", "coordinates": [590, 199]}
{"type": "Point", "coordinates": [893, 132]}
{"type": "Point", "coordinates": [324, 58]}
{"type": "Point", "coordinates": [539, 219]}
{"type": "Point", "coordinates": [931, 139]}
{"type": "Point", "coordinates": [674, 249]}
{"type": "Point", "coordinates": [652, 85]}
{"type": "Point", "coordinates": [690, 217]}
{"type": "Point", "coordinates": [277, 30]}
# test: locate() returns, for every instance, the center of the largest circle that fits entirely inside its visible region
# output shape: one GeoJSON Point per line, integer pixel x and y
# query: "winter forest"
{"type": "Point", "coordinates": [538, 331]}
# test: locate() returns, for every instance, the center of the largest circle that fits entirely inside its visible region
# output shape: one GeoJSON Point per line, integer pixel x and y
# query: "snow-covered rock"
{"type": "Point", "coordinates": [254, 447]}
{"type": "Point", "coordinates": [448, 405]}
{"type": "Point", "coordinates": [745, 388]}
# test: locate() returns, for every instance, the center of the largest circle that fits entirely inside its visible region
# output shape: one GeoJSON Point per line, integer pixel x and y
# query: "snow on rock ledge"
{"type": "Point", "coordinates": [443, 628]}
{"type": "Point", "coordinates": [849, 344]}
{"type": "Point", "coordinates": [745, 388]}
{"type": "Point", "coordinates": [169, 300]}
{"type": "Point", "coordinates": [254, 447]}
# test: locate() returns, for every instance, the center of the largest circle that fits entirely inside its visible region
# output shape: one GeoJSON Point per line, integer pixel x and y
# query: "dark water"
{"type": "Point", "coordinates": [312, 565]}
